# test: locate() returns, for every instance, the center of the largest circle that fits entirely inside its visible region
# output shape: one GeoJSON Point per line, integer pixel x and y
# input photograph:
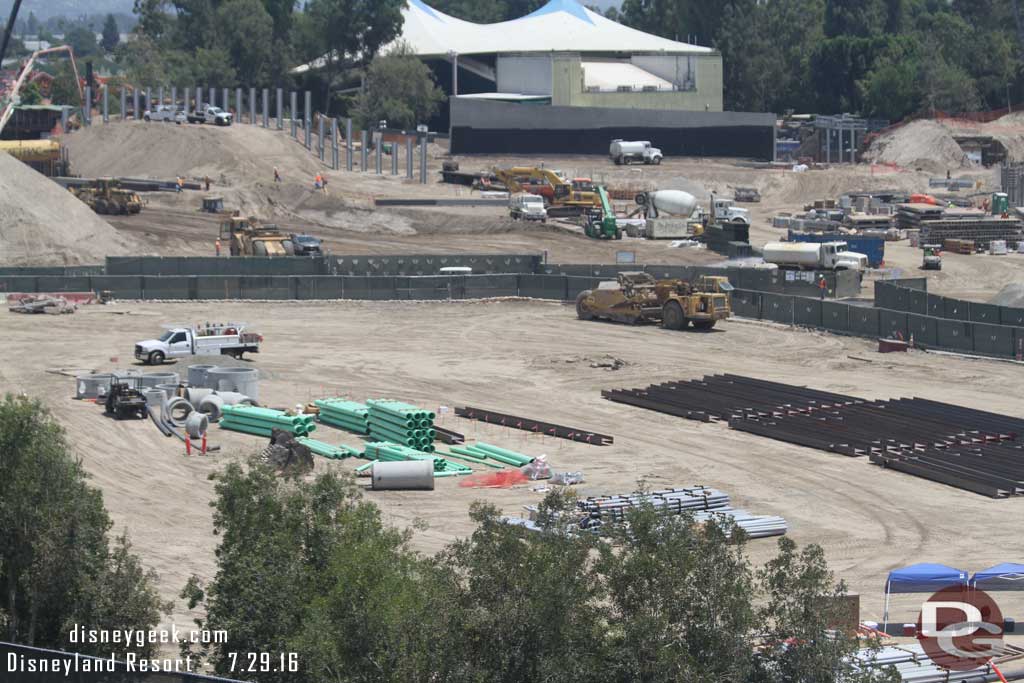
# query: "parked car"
{"type": "Point", "coordinates": [165, 112]}
{"type": "Point", "coordinates": [306, 245]}
{"type": "Point", "coordinates": [211, 114]}
{"type": "Point", "coordinates": [527, 207]}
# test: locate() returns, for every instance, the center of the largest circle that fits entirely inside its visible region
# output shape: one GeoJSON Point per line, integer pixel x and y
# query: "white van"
{"type": "Point", "coordinates": [527, 207]}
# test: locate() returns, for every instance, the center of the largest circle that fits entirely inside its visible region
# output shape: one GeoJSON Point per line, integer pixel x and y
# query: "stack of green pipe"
{"type": "Point", "coordinates": [384, 451]}
{"type": "Point", "coordinates": [486, 451]}
{"type": "Point", "coordinates": [260, 421]}
{"type": "Point", "coordinates": [401, 423]}
{"type": "Point", "coordinates": [349, 415]}
{"type": "Point", "coordinates": [329, 451]}
{"type": "Point", "coordinates": [476, 460]}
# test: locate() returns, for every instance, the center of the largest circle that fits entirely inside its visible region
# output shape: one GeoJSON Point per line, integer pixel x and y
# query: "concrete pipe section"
{"type": "Point", "coordinates": [92, 385]}
{"type": "Point", "coordinates": [170, 389]}
{"type": "Point", "coordinates": [195, 395]}
{"type": "Point", "coordinates": [405, 475]}
{"type": "Point", "coordinates": [178, 410]}
{"type": "Point", "coordinates": [196, 425]}
{"type": "Point", "coordinates": [242, 380]}
{"type": "Point", "coordinates": [197, 375]}
{"type": "Point", "coordinates": [212, 406]}
{"type": "Point", "coordinates": [233, 398]}
{"type": "Point", "coordinates": [154, 379]}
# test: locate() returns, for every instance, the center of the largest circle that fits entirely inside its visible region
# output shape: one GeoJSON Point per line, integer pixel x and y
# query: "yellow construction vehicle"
{"type": "Point", "coordinates": [636, 297]}
{"type": "Point", "coordinates": [105, 195]}
{"type": "Point", "coordinates": [248, 237]}
{"type": "Point", "coordinates": [564, 198]}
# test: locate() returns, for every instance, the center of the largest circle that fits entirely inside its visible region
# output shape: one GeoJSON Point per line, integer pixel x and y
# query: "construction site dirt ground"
{"type": "Point", "coordinates": [535, 359]}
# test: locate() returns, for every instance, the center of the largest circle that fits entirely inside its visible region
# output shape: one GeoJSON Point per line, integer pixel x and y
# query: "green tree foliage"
{"type": "Point", "coordinates": [247, 30]}
{"type": "Point", "coordinates": [64, 89]}
{"type": "Point", "coordinates": [309, 567]}
{"type": "Point", "coordinates": [400, 89]}
{"type": "Point", "coordinates": [30, 94]}
{"type": "Point", "coordinates": [32, 23]}
{"type": "Point", "coordinates": [111, 34]}
{"type": "Point", "coordinates": [57, 568]}
{"type": "Point", "coordinates": [83, 41]}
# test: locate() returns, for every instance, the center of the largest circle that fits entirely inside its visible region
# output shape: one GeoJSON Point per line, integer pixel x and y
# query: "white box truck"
{"type": "Point", "coordinates": [179, 341]}
{"type": "Point", "coordinates": [814, 256]}
{"type": "Point", "coordinates": [625, 152]}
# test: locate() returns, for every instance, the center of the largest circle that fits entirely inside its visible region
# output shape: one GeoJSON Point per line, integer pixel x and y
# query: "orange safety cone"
{"type": "Point", "coordinates": [204, 444]}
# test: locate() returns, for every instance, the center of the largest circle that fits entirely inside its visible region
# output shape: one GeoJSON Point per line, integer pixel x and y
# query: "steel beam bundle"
{"type": "Point", "coordinates": [448, 436]}
{"type": "Point", "coordinates": [526, 424]}
{"type": "Point", "coordinates": [970, 449]}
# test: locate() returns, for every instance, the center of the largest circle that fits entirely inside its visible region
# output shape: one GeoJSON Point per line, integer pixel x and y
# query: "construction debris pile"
{"type": "Point", "coordinates": [43, 304]}
{"type": "Point", "coordinates": [969, 449]}
{"type": "Point", "coordinates": [262, 421]}
{"type": "Point", "coordinates": [705, 504]}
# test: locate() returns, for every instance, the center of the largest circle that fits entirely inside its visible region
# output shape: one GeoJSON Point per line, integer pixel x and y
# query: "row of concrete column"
{"type": "Point", "coordinates": [327, 129]}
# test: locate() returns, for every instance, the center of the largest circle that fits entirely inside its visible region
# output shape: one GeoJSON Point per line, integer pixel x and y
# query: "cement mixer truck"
{"type": "Point", "coordinates": [814, 256]}
{"type": "Point", "coordinates": [669, 202]}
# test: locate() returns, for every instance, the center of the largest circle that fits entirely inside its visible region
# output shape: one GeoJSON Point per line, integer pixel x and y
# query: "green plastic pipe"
{"type": "Point", "coordinates": [343, 416]}
{"type": "Point", "coordinates": [268, 413]}
{"type": "Point", "coordinates": [393, 419]}
{"type": "Point", "coordinates": [366, 466]}
{"type": "Point", "coordinates": [504, 451]}
{"type": "Point", "coordinates": [472, 460]}
{"type": "Point", "coordinates": [263, 424]}
{"type": "Point", "coordinates": [362, 428]}
{"type": "Point", "coordinates": [384, 407]}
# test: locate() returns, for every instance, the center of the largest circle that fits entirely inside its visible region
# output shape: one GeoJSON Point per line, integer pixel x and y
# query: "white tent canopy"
{"type": "Point", "coordinates": [560, 26]}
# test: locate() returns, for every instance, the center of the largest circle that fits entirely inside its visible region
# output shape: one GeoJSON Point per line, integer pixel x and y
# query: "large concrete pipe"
{"type": "Point", "coordinates": [197, 375]}
{"type": "Point", "coordinates": [405, 475]}
{"type": "Point", "coordinates": [243, 380]}
{"type": "Point", "coordinates": [152, 379]}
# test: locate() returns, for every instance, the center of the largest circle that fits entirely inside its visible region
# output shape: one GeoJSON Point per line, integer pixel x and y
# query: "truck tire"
{"type": "Point", "coordinates": [289, 247]}
{"type": "Point", "coordinates": [672, 317]}
{"type": "Point", "coordinates": [657, 161]}
{"type": "Point", "coordinates": [582, 312]}
{"type": "Point", "coordinates": [703, 324]}
{"type": "Point", "coordinates": [259, 249]}
{"type": "Point", "coordinates": [146, 117]}
{"type": "Point", "coordinates": [618, 161]}
{"type": "Point", "coordinates": [156, 358]}
{"type": "Point", "coordinates": [618, 233]}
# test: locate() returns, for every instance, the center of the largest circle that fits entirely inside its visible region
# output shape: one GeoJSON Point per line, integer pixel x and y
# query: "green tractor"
{"type": "Point", "coordinates": [600, 223]}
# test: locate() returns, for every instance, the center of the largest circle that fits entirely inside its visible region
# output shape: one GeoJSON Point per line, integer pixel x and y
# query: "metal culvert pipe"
{"type": "Point", "coordinates": [195, 395]}
{"type": "Point", "coordinates": [403, 475]}
{"type": "Point", "coordinates": [92, 385]}
{"type": "Point", "coordinates": [197, 375]}
{"type": "Point", "coordinates": [241, 380]}
{"type": "Point", "coordinates": [196, 424]}
{"type": "Point", "coordinates": [154, 379]}
{"type": "Point", "coordinates": [233, 398]}
{"type": "Point", "coordinates": [212, 406]}
{"type": "Point", "coordinates": [177, 411]}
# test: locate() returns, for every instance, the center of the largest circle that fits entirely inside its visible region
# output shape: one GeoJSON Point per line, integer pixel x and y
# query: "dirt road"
{"type": "Point", "coordinates": [531, 358]}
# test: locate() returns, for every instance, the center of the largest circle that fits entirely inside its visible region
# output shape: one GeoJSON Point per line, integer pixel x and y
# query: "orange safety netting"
{"type": "Point", "coordinates": [494, 480]}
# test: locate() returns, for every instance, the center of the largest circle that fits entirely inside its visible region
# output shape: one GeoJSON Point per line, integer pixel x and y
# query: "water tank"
{"type": "Point", "coordinates": [197, 375]}
{"type": "Point", "coordinates": [242, 380]}
{"type": "Point", "coordinates": [403, 475]}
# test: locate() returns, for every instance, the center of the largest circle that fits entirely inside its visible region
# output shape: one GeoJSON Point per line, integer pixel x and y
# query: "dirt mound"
{"type": "Point", "coordinates": [42, 224]}
{"type": "Point", "coordinates": [1012, 296]}
{"type": "Point", "coordinates": [923, 144]}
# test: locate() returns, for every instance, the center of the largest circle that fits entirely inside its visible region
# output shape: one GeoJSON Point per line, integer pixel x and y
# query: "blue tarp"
{"type": "Point", "coordinates": [1002, 577]}
{"type": "Point", "coordinates": [924, 578]}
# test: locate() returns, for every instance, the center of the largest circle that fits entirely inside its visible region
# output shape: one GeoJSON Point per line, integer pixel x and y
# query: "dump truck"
{"type": "Point", "coordinates": [637, 297]}
{"type": "Point", "coordinates": [814, 256]}
{"type": "Point", "coordinates": [249, 237]}
{"type": "Point", "coordinates": [179, 341]}
{"type": "Point", "coordinates": [106, 196]}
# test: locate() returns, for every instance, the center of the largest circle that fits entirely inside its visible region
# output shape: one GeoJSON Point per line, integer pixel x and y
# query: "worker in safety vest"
{"type": "Point", "coordinates": [822, 286]}
{"type": "Point", "coordinates": [216, 246]}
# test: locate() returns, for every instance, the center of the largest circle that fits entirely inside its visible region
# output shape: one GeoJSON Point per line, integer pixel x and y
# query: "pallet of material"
{"type": "Point", "coordinates": [980, 231]}
{"type": "Point", "coordinates": [863, 221]}
{"type": "Point", "coordinates": [959, 246]}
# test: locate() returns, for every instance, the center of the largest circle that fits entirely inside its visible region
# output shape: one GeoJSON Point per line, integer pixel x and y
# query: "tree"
{"type": "Point", "coordinates": [400, 89]}
{"type": "Point", "coordinates": [33, 24]}
{"type": "Point", "coordinates": [30, 94]}
{"type": "Point", "coordinates": [246, 31]}
{"type": "Point", "coordinates": [82, 40]}
{"type": "Point", "coordinates": [64, 89]}
{"type": "Point", "coordinates": [861, 18]}
{"type": "Point", "coordinates": [154, 20]}
{"type": "Point", "coordinates": [111, 34]}
{"type": "Point", "coordinates": [56, 567]}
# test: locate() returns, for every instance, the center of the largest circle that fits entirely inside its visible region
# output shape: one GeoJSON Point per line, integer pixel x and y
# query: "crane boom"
{"type": "Point", "coordinates": [16, 88]}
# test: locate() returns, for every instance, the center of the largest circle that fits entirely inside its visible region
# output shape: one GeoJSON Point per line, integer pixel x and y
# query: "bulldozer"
{"type": "Point", "coordinates": [564, 198]}
{"type": "Point", "coordinates": [637, 297]}
{"type": "Point", "coordinates": [249, 237]}
{"type": "Point", "coordinates": [105, 195]}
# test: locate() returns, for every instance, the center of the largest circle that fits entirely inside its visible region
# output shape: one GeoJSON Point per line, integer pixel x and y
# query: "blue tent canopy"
{"type": "Point", "coordinates": [1002, 577]}
{"type": "Point", "coordinates": [924, 578]}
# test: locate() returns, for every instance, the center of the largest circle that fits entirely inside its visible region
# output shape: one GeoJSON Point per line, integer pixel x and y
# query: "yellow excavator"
{"type": "Point", "coordinates": [105, 195]}
{"type": "Point", "coordinates": [636, 297]}
{"type": "Point", "coordinates": [564, 198]}
{"type": "Point", "coordinates": [249, 237]}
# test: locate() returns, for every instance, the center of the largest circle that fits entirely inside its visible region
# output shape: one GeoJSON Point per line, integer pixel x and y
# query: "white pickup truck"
{"type": "Point", "coordinates": [211, 114]}
{"type": "Point", "coordinates": [179, 341]}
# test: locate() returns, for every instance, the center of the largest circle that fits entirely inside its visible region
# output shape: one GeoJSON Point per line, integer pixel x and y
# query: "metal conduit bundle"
{"type": "Point", "coordinates": [327, 450]}
{"type": "Point", "coordinates": [384, 451]}
{"type": "Point", "coordinates": [348, 415]}
{"type": "Point", "coordinates": [261, 421]}
{"type": "Point", "coordinates": [913, 664]}
{"type": "Point", "coordinates": [484, 451]}
{"type": "Point", "coordinates": [401, 423]}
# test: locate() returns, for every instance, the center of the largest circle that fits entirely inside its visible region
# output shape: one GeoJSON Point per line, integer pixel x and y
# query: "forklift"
{"type": "Point", "coordinates": [125, 399]}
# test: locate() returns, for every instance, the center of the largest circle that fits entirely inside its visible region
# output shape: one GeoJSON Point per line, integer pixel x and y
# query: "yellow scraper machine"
{"type": "Point", "coordinates": [637, 297]}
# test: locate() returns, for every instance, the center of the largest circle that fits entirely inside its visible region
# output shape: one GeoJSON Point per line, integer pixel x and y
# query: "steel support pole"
{"type": "Point", "coordinates": [160, 94]}
{"type": "Point", "coordinates": [124, 103]}
{"type": "Point", "coordinates": [379, 156]}
{"type": "Point", "coordinates": [335, 156]}
{"type": "Point", "coordinates": [307, 119]}
{"type": "Point", "coordinates": [294, 114]}
{"type": "Point", "coordinates": [225, 101]}
{"type": "Point", "coordinates": [394, 158]}
{"type": "Point", "coordinates": [238, 105]}
{"type": "Point", "coordinates": [135, 103]}
{"type": "Point", "coordinates": [149, 101]}
{"type": "Point", "coordinates": [174, 96]}
{"type": "Point", "coordinates": [280, 109]}
{"type": "Point", "coordinates": [363, 151]}
{"type": "Point", "coordinates": [252, 106]}
{"type": "Point", "coordinates": [828, 145]}
{"type": "Point", "coordinates": [213, 96]}
{"type": "Point", "coordinates": [853, 146]}
{"type": "Point", "coordinates": [86, 108]}
{"type": "Point", "coordinates": [350, 150]}
{"type": "Point", "coordinates": [408, 157]}
{"type": "Point", "coordinates": [320, 138]}
{"type": "Point", "coordinates": [106, 104]}
{"type": "Point", "coordinates": [266, 107]}
{"type": "Point", "coordinates": [199, 99]}
{"type": "Point", "coordinates": [423, 159]}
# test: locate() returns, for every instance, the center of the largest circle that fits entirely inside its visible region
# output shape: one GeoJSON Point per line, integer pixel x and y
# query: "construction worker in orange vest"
{"type": "Point", "coordinates": [823, 286]}
{"type": "Point", "coordinates": [216, 246]}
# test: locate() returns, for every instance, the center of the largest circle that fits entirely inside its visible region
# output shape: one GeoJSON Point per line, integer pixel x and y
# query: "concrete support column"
{"type": "Point", "coordinates": [295, 114]}
{"type": "Point", "coordinates": [174, 96]}
{"type": "Point", "coordinates": [307, 119]}
{"type": "Point", "coordinates": [378, 156]}
{"type": "Point", "coordinates": [124, 103]}
{"type": "Point", "coordinates": [213, 96]}
{"type": "Point", "coordinates": [225, 99]}
{"type": "Point", "coordinates": [199, 99]}
{"type": "Point", "coordinates": [238, 105]}
{"type": "Point", "coordinates": [335, 156]}
{"type": "Point", "coordinates": [408, 157]}
{"type": "Point", "coordinates": [135, 103]}
{"type": "Point", "coordinates": [252, 106]}
{"type": "Point", "coordinates": [280, 109]}
{"type": "Point", "coordinates": [160, 94]}
{"type": "Point", "coordinates": [320, 138]}
{"type": "Point", "coordinates": [106, 104]}
{"type": "Point", "coordinates": [149, 100]}
{"type": "Point", "coordinates": [364, 151]}
{"type": "Point", "coordinates": [349, 147]}
{"type": "Point", "coordinates": [394, 158]}
{"type": "Point", "coordinates": [423, 159]}
{"type": "Point", "coordinates": [266, 107]}
{"type": "Point", "coordinates": [86, 109]}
